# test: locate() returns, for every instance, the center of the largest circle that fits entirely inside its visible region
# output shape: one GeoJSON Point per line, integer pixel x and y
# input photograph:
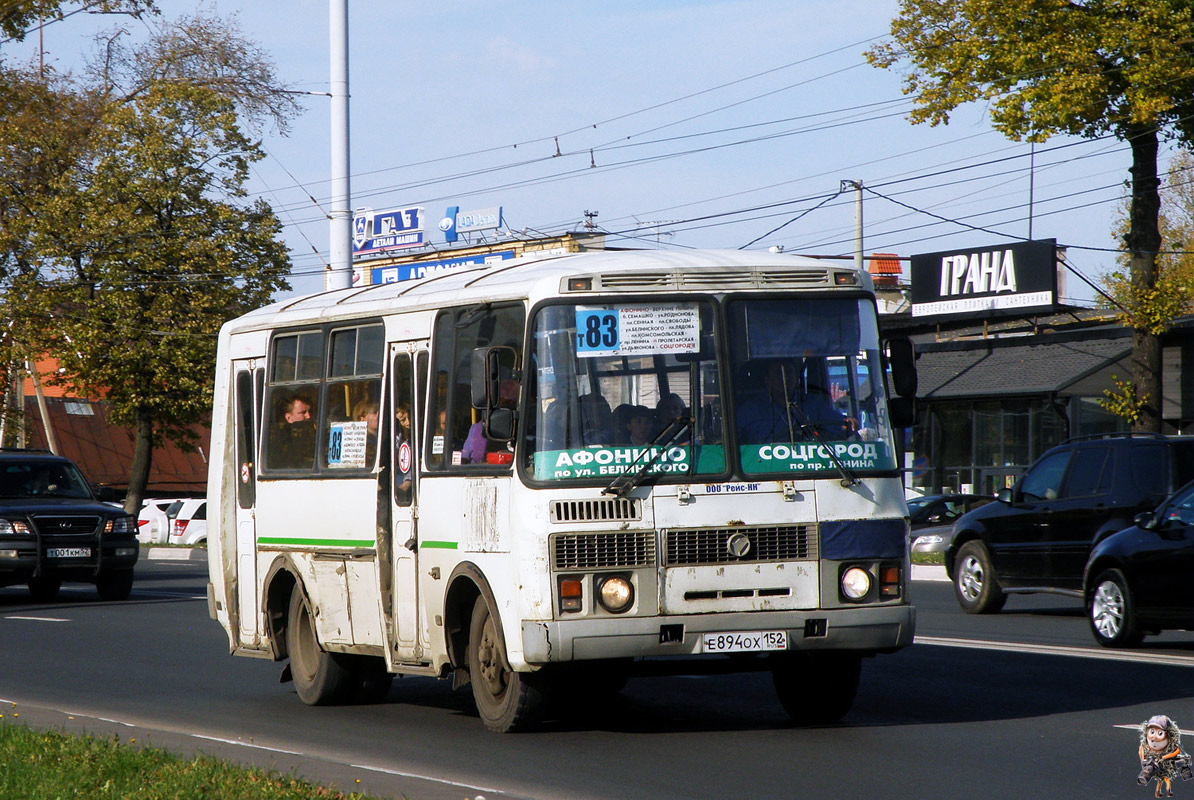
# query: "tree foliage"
{"type": "Point", "coordinates": [1047, 66]}
{"type": "Point", "coordinates": [1080, 67]}
{"type": "Point", "coordinates": [18, 18]}
{"type": "Point", "coordinates": [1172, 296]}
{"type": "Point", "coordinates": [134, 238]}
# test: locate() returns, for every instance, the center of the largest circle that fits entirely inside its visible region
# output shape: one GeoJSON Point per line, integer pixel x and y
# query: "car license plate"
{"type": "Point", "coordinates": [68, 552]}
{"type": "Point", "coordinates": [744, 641]}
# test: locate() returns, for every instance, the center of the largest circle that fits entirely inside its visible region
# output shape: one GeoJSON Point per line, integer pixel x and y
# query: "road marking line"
{"type": "Point", "coordinates": [247, 744]}
{"type": "Point", "coordinates": [402, 774]}
{"type": "Point", "coordinates": [1136, 728]}
{"type": "Point", "coordinates": [39, 619]}
{"type": "Point", "coordinates": [1144, 657]}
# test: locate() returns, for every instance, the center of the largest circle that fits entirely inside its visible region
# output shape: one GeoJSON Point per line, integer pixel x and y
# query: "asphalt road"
{"type": "Point", "coordinates": [1021, 704]}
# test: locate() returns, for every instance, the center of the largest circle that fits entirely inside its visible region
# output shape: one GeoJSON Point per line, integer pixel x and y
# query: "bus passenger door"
{"type": "Point", "coordinates": [403, 411]}
{"type": "Point", "coordinates": [248, 382]}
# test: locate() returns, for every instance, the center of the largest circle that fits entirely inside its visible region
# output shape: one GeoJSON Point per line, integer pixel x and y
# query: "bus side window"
{"type": "Point", "coordinates": [403, 457]}
{"type": "Point", "coordinates": [295, 369]}
{"type": "Point", "coordinates": [352, 398]}
{"type": "Point", "coordinates": [457, 428]}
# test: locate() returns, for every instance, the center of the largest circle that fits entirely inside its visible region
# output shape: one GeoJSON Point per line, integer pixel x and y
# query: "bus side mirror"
{"type": "Point", "coordinates": [500, 425]}
{"type": "Point", "coordinates": [489, 367]}
{"type": "Point", "coordinates": [902, 411]}
{"type": "Point", "coordinates": [901, 355]}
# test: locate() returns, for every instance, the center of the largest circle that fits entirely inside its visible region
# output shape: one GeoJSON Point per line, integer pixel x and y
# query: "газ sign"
{"type": "Point", "coordinates": [1014, 277]}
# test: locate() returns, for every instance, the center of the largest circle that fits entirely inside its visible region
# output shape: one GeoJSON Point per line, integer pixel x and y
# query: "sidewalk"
{"type": "Point", "coordinates": [173, 553]}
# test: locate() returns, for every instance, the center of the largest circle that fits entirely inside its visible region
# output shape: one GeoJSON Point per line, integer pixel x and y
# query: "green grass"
{"type": "Point", "coordinates": [928, 558]}
{"type": "Point", "coordinates": [55, 766]}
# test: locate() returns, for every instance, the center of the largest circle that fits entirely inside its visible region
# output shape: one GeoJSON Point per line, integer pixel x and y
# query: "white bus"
{"type": "Point", "coordinates": [547, 474]}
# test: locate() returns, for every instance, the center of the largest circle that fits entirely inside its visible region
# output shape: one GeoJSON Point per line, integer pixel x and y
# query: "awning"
{"type": "Point", "coordinates": [1021, 366]}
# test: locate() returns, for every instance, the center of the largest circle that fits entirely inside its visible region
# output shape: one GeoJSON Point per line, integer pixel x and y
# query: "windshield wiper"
{"type": "Point", "coordinates": [627, 480]}
{"type": "Point", "coordinates": [808, 429]}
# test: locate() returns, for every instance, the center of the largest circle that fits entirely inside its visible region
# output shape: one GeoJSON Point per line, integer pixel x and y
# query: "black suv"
{"type": "Point", "coordinates": [52, 528]}
{"type": "Point", "coordinates": [1037, 537]}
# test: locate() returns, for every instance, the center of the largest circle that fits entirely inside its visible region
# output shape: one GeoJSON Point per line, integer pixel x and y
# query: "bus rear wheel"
{"type": "Point", "coordinates": [816, 688]}
{"type": "Point", "coordinates": [506, 700]}
{"type": "Point", "coordinates": [319, 676]}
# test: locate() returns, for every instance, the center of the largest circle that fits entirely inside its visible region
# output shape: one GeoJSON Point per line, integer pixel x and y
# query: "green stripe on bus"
{"type": "Point", "coordinates": [316, 542]}
{"type": "Point", "coordinates": [440, 545]}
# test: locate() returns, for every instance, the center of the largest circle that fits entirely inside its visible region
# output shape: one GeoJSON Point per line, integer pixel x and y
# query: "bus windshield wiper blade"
{"type": "Point", "coordinates": [806, 426]}
{"type": "Point", "coordinates": [628, 480]}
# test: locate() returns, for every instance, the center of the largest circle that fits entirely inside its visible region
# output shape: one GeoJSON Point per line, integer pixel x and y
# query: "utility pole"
{"type": "Point", "coordinates": [339, 274]}
{"type": "Point", "coordinates": [857, 186]}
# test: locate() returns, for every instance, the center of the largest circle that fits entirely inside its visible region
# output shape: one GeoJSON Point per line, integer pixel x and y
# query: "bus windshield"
{"type": "Point", "coordinates": [807, 385]}
{"type": "Point", "coordinates": [618, 387]}
{"type": "Point", "coordinates": [611, 383]}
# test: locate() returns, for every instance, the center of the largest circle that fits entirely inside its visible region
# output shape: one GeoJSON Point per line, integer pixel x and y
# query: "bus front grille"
{"type": "Point", "coordinates": [738, 545]}
{"type": "Point", "coordinates": [573, 551]}
{"type": "Point", "coordinates": [606, 509]}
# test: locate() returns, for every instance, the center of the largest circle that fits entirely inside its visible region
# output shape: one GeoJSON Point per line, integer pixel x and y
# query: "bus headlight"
{"type": "Point", "coordinates": [856, 583]}
{"type": "Point", "coordinates": [616, 594]}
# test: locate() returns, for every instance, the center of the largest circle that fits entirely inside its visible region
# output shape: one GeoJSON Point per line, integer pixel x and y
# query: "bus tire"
{"type": "Point", "coordinates": [507, 701]}
{"type": "Point", "coordinates": [320, 678]}
{"type": "Point", "coordinates": [816, 688]}
{"type": "Point", "coordinates": [975, 586]}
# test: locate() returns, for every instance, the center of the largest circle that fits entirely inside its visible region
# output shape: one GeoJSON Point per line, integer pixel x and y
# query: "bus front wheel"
{"type": "Point", "coordinates": [816, 688]}
{"type": "Point", "coordinates": [506, 700]}
{"type": "Point", "coordinates": [319, 677]}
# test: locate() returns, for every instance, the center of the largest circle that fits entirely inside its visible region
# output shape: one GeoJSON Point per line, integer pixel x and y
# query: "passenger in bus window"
{"type": "Point", "coordinates": [403, 461]}
{"type": "Point", "coordinates": [476, 445]}
{"type": "Point", "coordinates": [640, 426]}
{"type": "Point", "coordinates": [765, 418]}
{"type": "Point", "coordinates": [294, 434]}
{"type": "Point", "coordinates": [367, 412]}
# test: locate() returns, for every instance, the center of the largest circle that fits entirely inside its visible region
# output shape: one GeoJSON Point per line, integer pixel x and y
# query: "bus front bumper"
{"type": "Point", "coordinates": [865, 629]}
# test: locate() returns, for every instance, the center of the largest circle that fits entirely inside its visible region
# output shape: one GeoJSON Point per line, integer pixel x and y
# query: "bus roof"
{"type": "Point", "coordinates": [537, 274]}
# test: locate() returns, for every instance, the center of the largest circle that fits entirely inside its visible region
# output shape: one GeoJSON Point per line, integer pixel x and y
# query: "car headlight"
{"type": "Point", "coordinates": [13, 527]}
{"type": "Point", "coordinates": [856, 583]}
{"type": "Point", "coordinates": [121, 525]}
{"type": "Point", "coordinates": [616, 594]}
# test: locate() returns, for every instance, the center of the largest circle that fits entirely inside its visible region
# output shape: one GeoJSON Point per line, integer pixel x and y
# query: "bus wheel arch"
{"type": "Point", "coordinates": [281, 581]}
{"type": "Point", "coordinates": [465, 585]}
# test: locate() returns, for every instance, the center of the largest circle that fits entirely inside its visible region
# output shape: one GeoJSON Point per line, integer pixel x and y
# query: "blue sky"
{"type": "Point", "coordinates": [684, 124]}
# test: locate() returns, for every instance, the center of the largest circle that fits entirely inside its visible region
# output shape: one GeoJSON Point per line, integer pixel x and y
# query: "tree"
{"type": "Point", "coordinates": [145, 241]}
{"type": "Point", "coordinates": [19, 17]}
{"type": "Point", "coordinates": [1079, 67]}
{"type": "Point", "coordinates": [1173, 294]}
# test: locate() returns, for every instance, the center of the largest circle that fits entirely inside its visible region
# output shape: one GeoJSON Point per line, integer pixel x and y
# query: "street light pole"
{"type": "Point", "coordinates": [339, 274]}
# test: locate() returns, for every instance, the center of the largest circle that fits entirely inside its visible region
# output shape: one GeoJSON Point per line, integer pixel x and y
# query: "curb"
{"type": "Point", "coordinates": [929, 572]}
{"type": "Point", "coordinates": [174, 553]}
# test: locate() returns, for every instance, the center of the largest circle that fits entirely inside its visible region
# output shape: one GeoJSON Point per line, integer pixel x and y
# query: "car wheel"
{"type": "Point", "coordinates": [816, 688]}
{"type": "Point", "coordinates": [44, 590]}
{"type": "Point", "coordinates": [975, 584]}
{"type": "Point", "coordinates": [1112, 612]}
{"type": "Point", "coordinates": [506, 700]}
{"type": "Point", "coordinates": [320, 677]}
{"type": "Point", "coordinates": [115, 585]}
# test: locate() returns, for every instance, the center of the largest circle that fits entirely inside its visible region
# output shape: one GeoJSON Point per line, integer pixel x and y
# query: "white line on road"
{"type": "Point", "coordinates": [422, 777]}
{"type": "Point", "coordinates": [1143, 657]}
{"type": "Point", "coordinates": [39, 619]}
{"type": "Point", "coordinates": [246, 744]}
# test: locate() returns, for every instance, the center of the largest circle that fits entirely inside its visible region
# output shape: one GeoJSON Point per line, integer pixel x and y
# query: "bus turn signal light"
{"type": "Point", "coordinates": [570, 595]}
